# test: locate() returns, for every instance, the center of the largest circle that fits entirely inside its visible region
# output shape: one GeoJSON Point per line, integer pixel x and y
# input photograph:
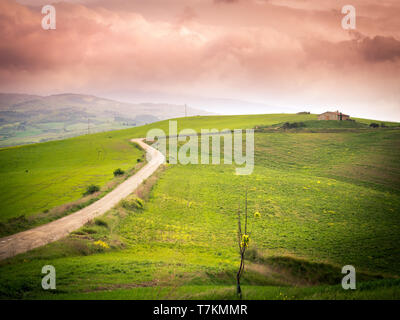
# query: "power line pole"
{"type": "Point", "coordinates": [185, 111]}
{"type": "Point", "coordinates": [88, 128]}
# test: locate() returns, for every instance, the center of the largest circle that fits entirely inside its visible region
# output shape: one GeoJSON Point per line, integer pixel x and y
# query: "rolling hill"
{"type": "Point", "coordinates": [326, 199]}
{"type": "Point", "coordinates": [31, 118]}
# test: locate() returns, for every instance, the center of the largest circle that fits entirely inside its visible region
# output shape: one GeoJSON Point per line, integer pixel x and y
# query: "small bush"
{"type": "Point", "coordinates": [78, 233]}
{"type": "Point", "coordinates": [100, 222]}
{"type": "Point", "coordinates": [132, 203]}
{"type": "Point", "coordinates": [91, 189]}
{"type": "Point", "coordinates": [253, 255]}
{"type": "Point", "coordinates": [118, 172]}
{"type": "Point", "coordinates": [288, 125]}
{"type": "Point", "coordinates": [14, 225]}
{"type": "Point", "coordinates": [374, 125]}
{"type": "Point", "coordinates": [139, 160]}
{"type": "Point", "coordinates": [88, 230]}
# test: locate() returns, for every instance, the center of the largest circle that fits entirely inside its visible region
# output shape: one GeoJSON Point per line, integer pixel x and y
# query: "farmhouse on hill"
{"type": "Point", "coordinates": [333, 116]}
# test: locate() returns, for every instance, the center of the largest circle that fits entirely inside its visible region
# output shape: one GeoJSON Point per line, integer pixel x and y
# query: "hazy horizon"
{"type": "Point", "coordinates": [222, 110]}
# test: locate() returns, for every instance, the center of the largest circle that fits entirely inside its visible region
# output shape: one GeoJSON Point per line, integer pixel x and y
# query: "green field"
{"type": "Point", "coordinates": [12, 135]}
{"type": "Point", "coordinates": [326, 199]}
{"type": "Point", "coordinates": [38, 177]}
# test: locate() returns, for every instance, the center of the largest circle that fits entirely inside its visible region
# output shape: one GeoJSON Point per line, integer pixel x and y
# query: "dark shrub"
{"type": "Point", "coordinates": [91, 189]}
{"type": "Point", "coordinates": [253, 255]}
{"type": "Point", "coordinates": [118, 172]}
{"type": "Point", "coordinates": [374, 125]}
{"type": "Point", "coordinates": [288, 125]}
{"type": "Point", "coordinates": [100, 222]}
{"type": "Point", "coordinates": [88, 230]}
{"type": "Point", "coordinates": [139, 160]}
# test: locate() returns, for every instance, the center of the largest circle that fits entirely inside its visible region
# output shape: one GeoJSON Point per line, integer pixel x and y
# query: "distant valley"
{"type": "Point", "coordinates": [31, 118]}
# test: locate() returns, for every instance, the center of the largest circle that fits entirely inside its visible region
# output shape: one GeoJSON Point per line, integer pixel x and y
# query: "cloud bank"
{"type": "Point", "coordinates": [281, 53]}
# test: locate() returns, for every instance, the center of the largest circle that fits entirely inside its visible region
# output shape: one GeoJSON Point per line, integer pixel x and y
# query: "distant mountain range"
{"type": "Point", "coordinates": [31, 118]}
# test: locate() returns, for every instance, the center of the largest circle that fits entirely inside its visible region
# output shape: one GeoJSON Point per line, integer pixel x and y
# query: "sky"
{"type": "Point", "coordinates": [224, 56]}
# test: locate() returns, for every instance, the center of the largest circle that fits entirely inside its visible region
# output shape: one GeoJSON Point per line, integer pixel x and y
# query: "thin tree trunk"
{"type": "Point", "coordinates": [238, 275]}
{"type": "Point", "coordinates": [245, 225]}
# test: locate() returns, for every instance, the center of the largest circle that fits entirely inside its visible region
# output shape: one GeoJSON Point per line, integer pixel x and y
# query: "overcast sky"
{"type": "Point", "coordinates": [226, 56]}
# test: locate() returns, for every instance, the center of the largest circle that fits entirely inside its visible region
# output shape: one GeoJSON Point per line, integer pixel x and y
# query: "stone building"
{"type": "Point", "coordinates": [336, 115]}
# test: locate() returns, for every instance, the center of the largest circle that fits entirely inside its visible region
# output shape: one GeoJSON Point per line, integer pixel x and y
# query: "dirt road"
{"type": "Point", "coordinates": [39, 236]}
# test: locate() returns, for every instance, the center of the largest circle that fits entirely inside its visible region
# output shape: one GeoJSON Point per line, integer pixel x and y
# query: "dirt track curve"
{"type": "Point", "coordinates": [39, 236]}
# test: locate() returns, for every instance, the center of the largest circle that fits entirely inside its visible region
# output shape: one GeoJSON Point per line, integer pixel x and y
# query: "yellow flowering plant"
{"type": "Point", "coordinates": [101, 244]}
{"type": "Point", "coordinates": [243, 242]}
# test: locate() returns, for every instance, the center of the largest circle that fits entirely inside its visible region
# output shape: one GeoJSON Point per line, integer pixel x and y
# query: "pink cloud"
{"type": "Point", "coordinates": [267, 51]}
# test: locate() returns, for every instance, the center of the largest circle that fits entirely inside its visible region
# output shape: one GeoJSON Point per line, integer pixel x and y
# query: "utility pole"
{"type": "Point", "coordinates": [88, 128]}
{"type": "Point", "coordinates": [185, 111]}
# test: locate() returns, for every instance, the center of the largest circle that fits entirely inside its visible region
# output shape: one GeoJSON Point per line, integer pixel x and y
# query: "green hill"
{"type": "Point", "coordinates": [35, 178]}
{"type": "Point", "coordinates": [327, 124]}
{"type": "Point", "coordinates": [326, 199]}
{"type": "Point", "coordinates": [30, 118]}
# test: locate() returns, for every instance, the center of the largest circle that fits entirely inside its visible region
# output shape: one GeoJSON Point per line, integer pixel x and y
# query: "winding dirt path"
{"type": "Point", "coordinates": [39, 236]}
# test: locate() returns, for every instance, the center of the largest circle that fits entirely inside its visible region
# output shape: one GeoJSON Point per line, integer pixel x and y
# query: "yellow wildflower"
{"type": "Point", "coordinates": [102, 244]}
{"type": "Point", "coordinates": [245, 241]}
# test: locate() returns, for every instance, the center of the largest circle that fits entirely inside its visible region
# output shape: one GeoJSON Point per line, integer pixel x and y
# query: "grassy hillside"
{"type": "Point", "coordinates": [36, 178]}
{"type": "Point", "coordinates": [331, 124]}
{"type": "Point", "coordinates": [325, 199]}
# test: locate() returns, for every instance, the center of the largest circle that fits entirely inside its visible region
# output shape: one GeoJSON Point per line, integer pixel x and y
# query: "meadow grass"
{"type": "Point", "coordinates": [381, 289]}
{"type": "Point", "coordinates": [35, 178]}
{"type": "Point", "coordinates": [325, 200]}
{"type": "Point", "coordinates": [38, 177]}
